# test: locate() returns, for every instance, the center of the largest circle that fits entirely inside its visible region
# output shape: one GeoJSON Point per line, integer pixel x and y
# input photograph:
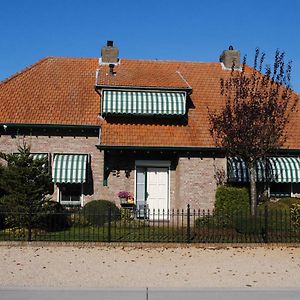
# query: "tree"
{"type": "Point", "coordinates": [26, 183]}
{"type": "Point", "coordinates": [258, 104]}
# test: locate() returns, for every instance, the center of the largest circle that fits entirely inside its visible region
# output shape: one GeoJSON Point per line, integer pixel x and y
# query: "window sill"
{"type": "Point", "coordinates": [70, 203]}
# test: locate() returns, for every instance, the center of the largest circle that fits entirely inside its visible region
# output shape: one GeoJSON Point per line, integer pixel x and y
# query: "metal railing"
{"type": "Point", "coordinates": [176, 226]}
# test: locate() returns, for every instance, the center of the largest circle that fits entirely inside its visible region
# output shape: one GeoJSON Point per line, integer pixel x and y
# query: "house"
{"type": "Point", "coordinates": [110, 124]}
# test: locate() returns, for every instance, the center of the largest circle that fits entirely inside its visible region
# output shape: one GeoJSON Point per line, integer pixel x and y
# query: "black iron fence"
{"type": "Point", "coordinates": [179, 226]}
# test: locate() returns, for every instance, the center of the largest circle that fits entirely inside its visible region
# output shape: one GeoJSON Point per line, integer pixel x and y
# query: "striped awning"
{"type": "Point", "coordinates": [143, 102]}
{"type": "Point", "coordinates": [69, 168]}
{"type": "Point", "coordinates": [285, 169]}
{"type": "Point", "coordinates": [39, 155]}
{"type": "Point", "coordinates": [272, 169]}
{"type": "Point", "coordinates": [35, 155]}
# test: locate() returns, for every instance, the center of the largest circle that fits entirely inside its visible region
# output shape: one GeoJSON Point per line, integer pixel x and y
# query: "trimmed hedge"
{"type": "Point", "coordinates": [232, 199]}
{"type": "Point", "coordinates": [97, 212]}
{"type": "Point", "coordinates": [230, 202]}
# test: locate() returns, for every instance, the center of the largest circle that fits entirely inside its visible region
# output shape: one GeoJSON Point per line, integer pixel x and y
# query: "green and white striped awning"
{"type": "Point", "coordinates": [284, 169]}
{"type": "Point", "coordinates": [143, 102]}
{"type": "Point", "coordinates": [39, 155]}
{"type": "Point", "coordinates": [35, 155]}
{"type": "Point", "coordinates": [272, 169]}
{"type": "Point", "coordinates": [69, 168]}
{"type": "Point", "coordinates": [237, 170]}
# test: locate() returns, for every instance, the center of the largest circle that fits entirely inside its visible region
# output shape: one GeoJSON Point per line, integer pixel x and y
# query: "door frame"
{"type": "Point", "coordinates": [153, 164]}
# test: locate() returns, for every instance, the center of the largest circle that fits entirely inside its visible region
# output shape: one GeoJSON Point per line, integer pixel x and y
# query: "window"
{"type": "Point", "coordinates": [70, 193]}
{"type": "Point", "coordinates": [280, 189]}
{"type": "Point", "coordinates": [69, 172]}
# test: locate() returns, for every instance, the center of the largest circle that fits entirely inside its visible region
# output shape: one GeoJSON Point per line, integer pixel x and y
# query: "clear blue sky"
{"type": "Point", "coordinates": [195, 30]}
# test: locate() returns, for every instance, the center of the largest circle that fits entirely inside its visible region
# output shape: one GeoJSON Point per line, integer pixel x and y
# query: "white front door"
{"type": "Point", "coordinates": [157, 189]}
{"type": "Point", "coordinates": [152, 190]}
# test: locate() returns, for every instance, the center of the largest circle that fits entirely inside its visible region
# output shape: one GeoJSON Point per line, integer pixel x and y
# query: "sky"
{"type": "Point", "coordinates": [190, 30]}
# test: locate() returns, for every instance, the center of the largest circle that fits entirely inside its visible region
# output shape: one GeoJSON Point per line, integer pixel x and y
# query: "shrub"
{"type": "Point", "coordinates": [230, 203]}
{"type": "Point", "coordinates": [55, 217]}
{"type": "Point", "coordinates": [247, 224]}
{"type": "Point", "coordinates": [78, 219]}
{"type": "Point", "coordinates": [232, 199]}
{"type": "Point", "coordinates": [97, 212]}
{"type": "Point", "coordinates": [126, 214]}
{"type": "Point", "coordinates": [214, 220]}
{"type": "Point", "coordinates": [283, 203]}
{"type": "Point", "coordinates": [2, 216]}
{"type": "Point", "coordinates": [295, 215]}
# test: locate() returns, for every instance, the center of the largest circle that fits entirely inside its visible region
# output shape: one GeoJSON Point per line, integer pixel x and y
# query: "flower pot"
{"type": "Point", "coordinates": [123, 200]}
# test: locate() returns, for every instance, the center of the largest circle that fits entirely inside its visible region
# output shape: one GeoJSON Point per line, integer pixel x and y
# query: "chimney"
{"type": "Point", "coordinates": [231, 58]}
{"type": "Point", "coordinates": [109, 53]}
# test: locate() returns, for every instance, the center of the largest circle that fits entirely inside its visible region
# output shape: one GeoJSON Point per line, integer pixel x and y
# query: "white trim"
{"type": "Point", "coordinates": [81, 196]}
{"type": "Point", "coordinates": [69, 202]}
{"type": "Point", "coordinates": [100, 62]}
{"type": "Point", "coordinates": [229, 69]}
{"type": "Point", "coordinates": [57, 194]}
{"type": "Point", "coordinates": [154, 163]}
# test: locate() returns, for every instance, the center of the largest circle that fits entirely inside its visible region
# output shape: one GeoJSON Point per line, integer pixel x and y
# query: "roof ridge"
{"type": "Point", "coordinates": [26, 69]}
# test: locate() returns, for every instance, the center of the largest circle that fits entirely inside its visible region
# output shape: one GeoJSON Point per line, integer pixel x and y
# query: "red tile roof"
{"type": "Point", "coordinates": [52, 91]}
{"type": "Point", "coordinates": [61, 91]}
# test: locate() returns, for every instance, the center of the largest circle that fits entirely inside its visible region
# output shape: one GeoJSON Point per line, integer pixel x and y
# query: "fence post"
{"type": "Point", "coordinates": [266, 218]}
{"type": "Point", "coordinates": [29, 237]}
{"type": "Point", "coordinates": [109, 224]}
{"type": "Point", "coordinates": [188, 224]}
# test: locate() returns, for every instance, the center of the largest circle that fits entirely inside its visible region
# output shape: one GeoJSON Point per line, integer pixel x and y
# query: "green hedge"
{"type": "Point", "coordinates": [97, 212]}
{"type": "Point", "coordinates": [230, 203]}
{"type": "Point", "coordinates": [232, 199]}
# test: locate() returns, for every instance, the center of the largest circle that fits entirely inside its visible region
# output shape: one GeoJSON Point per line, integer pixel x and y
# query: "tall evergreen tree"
{"type": "Point", "coordinates": [25, 181]}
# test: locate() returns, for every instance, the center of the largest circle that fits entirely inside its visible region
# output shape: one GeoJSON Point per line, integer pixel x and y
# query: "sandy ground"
{"type": "Point", "coordinates": [133, 267]}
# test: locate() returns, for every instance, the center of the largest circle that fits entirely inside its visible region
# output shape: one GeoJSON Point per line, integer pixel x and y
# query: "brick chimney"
{"type": "Point", "coordinates": [109, 53]}
{"type": "Point", "coordinates": [231, 58]}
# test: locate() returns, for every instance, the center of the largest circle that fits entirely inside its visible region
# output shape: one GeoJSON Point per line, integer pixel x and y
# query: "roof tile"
{"type": "Point", "coordinates": [61, 91]}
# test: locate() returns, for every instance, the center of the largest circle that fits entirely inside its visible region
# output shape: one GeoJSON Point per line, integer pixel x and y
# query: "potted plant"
{"type": "Point", "coordinates": [123, 196]}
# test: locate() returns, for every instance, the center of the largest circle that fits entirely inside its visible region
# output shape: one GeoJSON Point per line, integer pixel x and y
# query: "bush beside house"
{"type": "Point", "coordinates": [232, 199]}
{"type": "Point", "coordinates": [97, 212]}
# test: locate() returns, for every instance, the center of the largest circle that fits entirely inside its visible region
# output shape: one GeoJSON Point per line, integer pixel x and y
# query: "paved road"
{"type": "Point", "coordinates": [151, 294]}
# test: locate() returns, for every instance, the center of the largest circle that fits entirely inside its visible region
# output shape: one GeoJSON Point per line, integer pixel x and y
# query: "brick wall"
{"type": "Point", "coordinates": [192, 180]}
{"type": "Point", "coordinates": [66, 144]}
{"type": "Point", "coordinates": [196, 183]}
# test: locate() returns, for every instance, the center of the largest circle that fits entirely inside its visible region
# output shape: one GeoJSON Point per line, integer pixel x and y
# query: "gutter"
{"type": "Point", "coordinates": [163, 148]}
{"type": "Point", "coordinates": [186, 149]}
{"type": "Point", "coordinates": [49, 126]}
{"type": "Point", "coordinates": [17, 128]}
{"type": "Point", "coordinates": [188, 90]}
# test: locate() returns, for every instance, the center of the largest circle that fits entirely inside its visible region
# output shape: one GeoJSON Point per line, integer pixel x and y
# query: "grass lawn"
{"type": "Point", "coordinates": [271, 225]}
{"type": "Point", "coordinates": [133, 231]}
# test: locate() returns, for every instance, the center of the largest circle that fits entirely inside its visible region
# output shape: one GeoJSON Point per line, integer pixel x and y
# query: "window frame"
{"type": "Point", "coordinates": [69, 203]}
